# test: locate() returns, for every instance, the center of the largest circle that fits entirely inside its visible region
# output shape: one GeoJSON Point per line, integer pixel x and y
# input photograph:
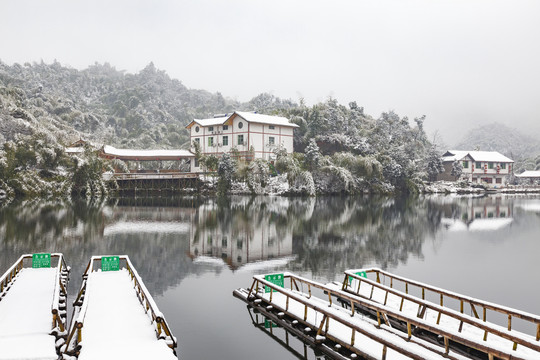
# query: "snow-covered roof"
{"type": "Point", "coordinates": [248, 116]}
{"type": "Point", "coordinates": [74, 150]}
{"type": "Point", "coordinates": [135, 154]}
{"type": "Point", "coordinates": [209, 122]}
{"type": "Point", "coordinates": [488, 156]}
{"type": "Point", "coordinates": [529, 174]}
{"type": "Point", "coordinates": [264, 119]}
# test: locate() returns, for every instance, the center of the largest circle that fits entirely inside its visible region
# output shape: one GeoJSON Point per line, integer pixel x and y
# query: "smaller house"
{"type": "Point", "coordinates": [479, 167]}
{"type": "Point", "coordinates": [529, 177]}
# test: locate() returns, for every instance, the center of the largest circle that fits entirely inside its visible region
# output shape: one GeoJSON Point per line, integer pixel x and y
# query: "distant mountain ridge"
{"type": "Point", "coordinates": [498, 137]}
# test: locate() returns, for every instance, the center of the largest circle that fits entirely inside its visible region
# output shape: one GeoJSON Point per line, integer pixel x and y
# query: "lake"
{"type": "Point", "coordinates": [192, 253]}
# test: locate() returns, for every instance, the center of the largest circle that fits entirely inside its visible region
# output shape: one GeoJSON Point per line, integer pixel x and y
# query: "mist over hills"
{"type": "Point", "coordinates": [504, 139]}
{"type": "Point", "coordinates": [147, 109]}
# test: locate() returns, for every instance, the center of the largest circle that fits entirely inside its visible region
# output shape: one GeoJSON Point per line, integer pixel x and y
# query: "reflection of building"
{"type": "Point", "coordinates": [238, 241]}
{"type": "Point", "coordinates": [479, 167]}
{"type": "Point", "coordinates": [479, 214]}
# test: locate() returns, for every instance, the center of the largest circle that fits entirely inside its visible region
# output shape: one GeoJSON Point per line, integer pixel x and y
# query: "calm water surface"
{"type": "Point", "coordinates": [192, 253]}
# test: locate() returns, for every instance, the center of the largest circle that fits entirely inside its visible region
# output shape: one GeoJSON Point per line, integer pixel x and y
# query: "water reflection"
{"type": "Point", "coordinates": [477, 213]}
{"type": "Point", "coordinates": [169, 238]}
{"type": "Point", "coordinates": [192, 251]}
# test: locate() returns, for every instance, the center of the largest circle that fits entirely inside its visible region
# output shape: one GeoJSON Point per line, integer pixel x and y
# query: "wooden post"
{"type": "Point", "coordinates": [379, 318]}
{"type": "Point", "coordinates": [423, 294]}
{"type": "Point", "coordinates": [352, 338]}
{"type": "Point", "coordinates": [509, 322]}
{"type": "Point", "coordinates": [409, 330]}
{"type": "Point", "coordinates": [385, 298]}
{"type": "Point", "coordinates": [305, 313]}
{"type": "Point", "coordinates": [329, 299]}
{"type": "Point", "coordinates": [383, 356]}
{"type": "Point", "coordinates": [461, 306]}
{"type": "Point", "coordinates": [406, 288]}
{"type": "Point", "coordinates": [378, 278]}
{"type": "Point", "coordinates": [538, 332]}
{"type": "Point", "coordinates": [287, 304]}
{"type": "Point", "coordinates": [446, 345]}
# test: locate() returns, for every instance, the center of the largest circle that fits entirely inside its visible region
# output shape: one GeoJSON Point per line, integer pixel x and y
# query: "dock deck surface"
{"type": "Point", "coordinates": [25, 316]}
{"type": "Point", "coordinates": [115, 324]}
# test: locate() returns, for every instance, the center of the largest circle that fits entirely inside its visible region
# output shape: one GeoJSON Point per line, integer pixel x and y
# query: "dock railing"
{"type": "Point", "coordinates": [473, 303]}
{"type": "Point", "coordinates": [58, 306]}
{"type": "Point", "coordinates": [383, 313]}
{"type": "Point", "coordinates": [161, 326]}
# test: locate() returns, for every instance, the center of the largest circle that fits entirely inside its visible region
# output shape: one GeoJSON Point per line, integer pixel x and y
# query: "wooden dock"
{"type": "Point", "coordinates": [33, 307]}
{"type": "Point", "coordinates": [151, 183]}
{"type": "Point", "coordinates": [364, 317]}
{"type": "Point", "coordinates": [115, 317]}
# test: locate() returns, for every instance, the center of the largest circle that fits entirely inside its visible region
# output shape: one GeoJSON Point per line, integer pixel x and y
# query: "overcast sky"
{"type": "Point", "coordinates": [462, 63]}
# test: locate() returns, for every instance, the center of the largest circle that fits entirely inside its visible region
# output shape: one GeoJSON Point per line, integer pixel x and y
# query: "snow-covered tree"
{"type": "Point", "coordinates": [457, 169]}
{"type": "Point", "coordinates": [312, 156]}
{"type": "Point", "coordinates": [226, 168]}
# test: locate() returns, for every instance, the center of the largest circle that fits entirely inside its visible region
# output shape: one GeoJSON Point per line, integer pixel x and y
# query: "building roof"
{"type": "Point", "coordinates": [488, 156]}
{"type": "Point", "coordinates": [134, 154]}
{"type": "Point", "coordinates": [264, 119]}
{"type": "Point", "coordinates": [209, 122]}
{"type": "Point", "coordinates": [529, 174]}
{"type": "Point", "coordinates": [248, 116]}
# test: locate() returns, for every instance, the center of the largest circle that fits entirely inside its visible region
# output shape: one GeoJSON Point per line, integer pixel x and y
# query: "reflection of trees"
{"type": "Point", "coordinates": [354, 232]}
{"type": "Point", "coordinates": [329, 235]}
{"type": "Point", "coordinates": [76, 229]}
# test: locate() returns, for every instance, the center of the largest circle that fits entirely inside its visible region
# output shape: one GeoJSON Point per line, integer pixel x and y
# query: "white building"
{"type": "Point", "coordinates": [479, 167]}
{"type": "Point", "coordinates": [242, 130]}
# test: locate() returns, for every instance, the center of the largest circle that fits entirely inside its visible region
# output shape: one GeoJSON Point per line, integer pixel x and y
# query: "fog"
{"type": "Point", "coordinates": [462, 63]}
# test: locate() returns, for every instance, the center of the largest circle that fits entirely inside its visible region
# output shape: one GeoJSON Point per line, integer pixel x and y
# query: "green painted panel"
{"type": "Point", "coordinates": [277, 279]}
{"type": "Point", "coordinates": [110, 263]}
{"type": "Point", "coordinates": [41, 260]}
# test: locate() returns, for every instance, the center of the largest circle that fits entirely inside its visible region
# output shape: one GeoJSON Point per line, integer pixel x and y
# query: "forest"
{"type": "Point", "coordinates": [338, 148]}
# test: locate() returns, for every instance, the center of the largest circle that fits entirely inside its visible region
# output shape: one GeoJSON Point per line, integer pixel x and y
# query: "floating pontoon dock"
{"type": "Point", "coordinates": [363, 317]}
{"type": "Point", "coordinates": [115, 317]}
{"type": "Point", "coordinates": [33, 307]}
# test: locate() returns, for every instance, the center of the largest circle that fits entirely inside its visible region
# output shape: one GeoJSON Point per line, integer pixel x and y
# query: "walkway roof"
{"type": "Point", "coordinates": [135, 154]}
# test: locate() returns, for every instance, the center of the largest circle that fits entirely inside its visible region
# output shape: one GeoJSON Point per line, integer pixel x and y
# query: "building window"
{"type": "Point", "coordinates": [198, 141]}
{"type": "Point", "coordinates": [196, 163]}
{"type": "Point", "coordinates": [211, 128]}
{"type": "Point", "coordinates": [271, 127]}
{"type": "Point", "coordinates": [225, 127]}
{"type": "Point", "coordinates": [197, 129]}
{"type": "Point", "coordinates": [465, 164]}
{"type": "Point", "coordinates": [478, 165]}
{"type": "Point", "coordinates": [239, 244]}
{"type": "Point", "coordinates": [211, 141]}
{"type": "Point", "coordinates": [224, 242]}
{"type": "Point", "coordinates": [225, 140]}
{"type": "Point", "coordinates": [498, 181]}
{"type": "Point", "coordinates": [503, 166]}
{"type": "Point", "coordinates": [240, 139]}
{"type": "Point", "coordinates": [490, 165]}
{"type": "Point", "coordinates": [240, 125]}
{"type": "Point", "coordinates": [271, 140]}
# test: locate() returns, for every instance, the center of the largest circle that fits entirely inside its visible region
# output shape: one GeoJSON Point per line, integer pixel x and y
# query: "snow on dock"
{"type": "Point", "coordinates": [116, 318]}
{"type": "Point", "coordinates": [382, 323]}
{"type": "Point", "coordinates": [30, 310]}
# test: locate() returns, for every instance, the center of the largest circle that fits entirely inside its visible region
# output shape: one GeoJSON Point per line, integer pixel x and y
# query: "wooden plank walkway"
{"type": "Point", "coordinates": [116, 318]}
{"type": "Point", "coordinates": [441, 316]}
{"type": "Point", "coordinates": [32, 310]}
{"type": "Point", "coordinates": [391, 333]}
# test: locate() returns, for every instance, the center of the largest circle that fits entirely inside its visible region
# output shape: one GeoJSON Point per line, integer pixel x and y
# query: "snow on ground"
{"type": "Point", "coordinates": [26, 317]}
{"type": "Point", "coordinates": [115, 325]}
